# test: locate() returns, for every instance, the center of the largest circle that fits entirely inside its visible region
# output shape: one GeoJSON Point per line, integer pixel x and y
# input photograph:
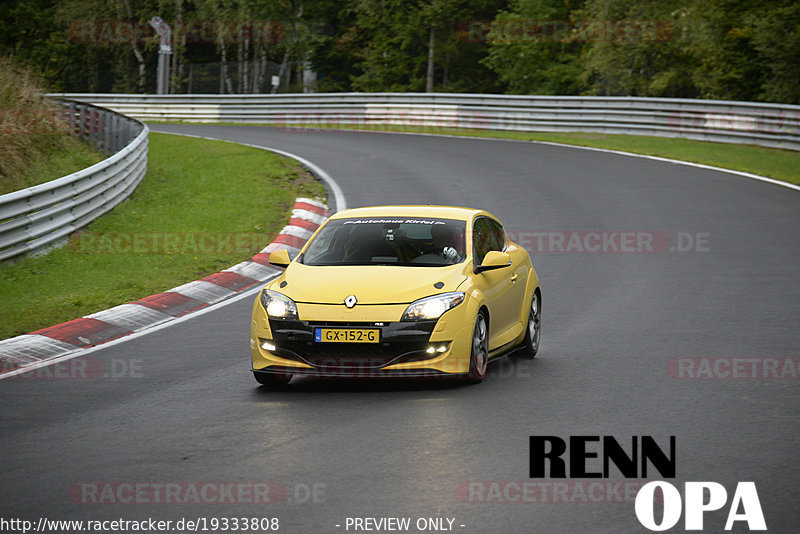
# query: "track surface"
{"type": "Point", "coordinates": [192, 412]}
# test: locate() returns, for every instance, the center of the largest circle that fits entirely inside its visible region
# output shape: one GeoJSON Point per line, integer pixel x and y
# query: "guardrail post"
{"type": "Point", "coordinates": [115, 134]}
{"type": "Point", "coordinates": [71, 108]}
{"type": "Point", "coordinates": [81, 120]}
{"type": "Point", "coordinates": [108, 119]}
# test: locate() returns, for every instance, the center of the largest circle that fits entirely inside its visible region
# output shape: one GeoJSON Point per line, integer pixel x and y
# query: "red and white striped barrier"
{"type": "Point", "coordinates": [56, 341]}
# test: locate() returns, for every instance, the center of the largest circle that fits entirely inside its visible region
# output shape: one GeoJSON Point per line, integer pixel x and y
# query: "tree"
{"type": "Point", "coordinates": [396, 41]}
{"type": "Point", "coordinates": [728, 65]}
{"type": "Point", "coordinates": [532, 48]}
{"type": "Point", "coordinates": [776, 38]}
{"type": "Point", "coordinates": [641, 49]}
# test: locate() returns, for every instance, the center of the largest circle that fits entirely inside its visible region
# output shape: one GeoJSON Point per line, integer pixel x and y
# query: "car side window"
{"type": "Point", "coordinates": [485, 238]}
{"type": "Point", "coordinates": [499, 234]}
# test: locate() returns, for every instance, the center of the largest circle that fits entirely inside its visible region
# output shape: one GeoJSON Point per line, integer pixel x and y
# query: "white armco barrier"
{"type": "Point", "coordinates": [774, 125]}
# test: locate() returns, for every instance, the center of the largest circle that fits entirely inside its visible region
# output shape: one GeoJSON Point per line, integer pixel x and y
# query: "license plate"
{"type": "Point", "coordinates": [346, 335]}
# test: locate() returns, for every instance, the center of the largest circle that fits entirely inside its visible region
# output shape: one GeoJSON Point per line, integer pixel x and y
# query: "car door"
{"type": "Point", "coordinates": [518, 274]}
{"type": "Point", "coordinates": [496, 285]}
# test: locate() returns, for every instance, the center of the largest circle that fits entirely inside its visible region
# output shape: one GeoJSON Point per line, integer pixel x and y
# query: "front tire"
{"type": "Point", "coordinates": [271, 379]}
{"type": "Point", "coordinates": [479, 357]}
{"type": "Point", "coordinates": [533, 333]}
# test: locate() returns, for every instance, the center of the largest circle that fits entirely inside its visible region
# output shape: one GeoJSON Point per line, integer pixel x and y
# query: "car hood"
{"type": "Point", "coordinates": [371, 284]}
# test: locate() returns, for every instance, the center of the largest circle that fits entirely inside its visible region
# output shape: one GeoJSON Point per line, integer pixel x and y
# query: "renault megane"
{"type": "Point", "coordinates": [397, 291]}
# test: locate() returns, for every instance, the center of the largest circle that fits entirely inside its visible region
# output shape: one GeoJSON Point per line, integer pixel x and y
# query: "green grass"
{"type": "Point", "coordinates": [774, 163]}
{"type": "Point", "coordinates": [212, 203]}
{"type": "Point", "coordinates": [61, 156]}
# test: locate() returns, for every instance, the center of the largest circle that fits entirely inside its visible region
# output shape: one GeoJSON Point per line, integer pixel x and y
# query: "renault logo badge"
{"type": "Point", "coordinates": [350, 301]}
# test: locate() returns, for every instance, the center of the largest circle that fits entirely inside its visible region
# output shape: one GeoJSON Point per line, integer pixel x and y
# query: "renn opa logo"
{"type": "Point", "coordinates": [593, 456]}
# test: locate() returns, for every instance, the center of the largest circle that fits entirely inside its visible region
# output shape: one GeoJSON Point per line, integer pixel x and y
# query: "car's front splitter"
{"type": "Point", "coordinates": [368, 373]}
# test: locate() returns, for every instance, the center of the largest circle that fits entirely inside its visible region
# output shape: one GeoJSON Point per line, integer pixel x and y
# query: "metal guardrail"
{"type": "Point", "coordinates": [39, 217]}
{"type": "Point", "coordinates": [774, 125]}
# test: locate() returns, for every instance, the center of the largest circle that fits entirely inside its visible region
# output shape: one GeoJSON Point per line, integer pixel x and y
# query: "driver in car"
{"type": "Point", "coordinates": [443, 243]}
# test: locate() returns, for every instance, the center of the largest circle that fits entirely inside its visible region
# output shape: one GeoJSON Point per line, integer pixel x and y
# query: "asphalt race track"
{"type": "Point", "coordinates": [720, 284]}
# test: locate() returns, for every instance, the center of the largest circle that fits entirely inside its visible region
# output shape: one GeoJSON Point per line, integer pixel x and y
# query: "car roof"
{"type": "Point", "coordinates": [443, 212]}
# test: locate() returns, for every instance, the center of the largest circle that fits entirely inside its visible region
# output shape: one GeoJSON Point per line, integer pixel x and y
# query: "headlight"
{"type": "Point", "coordinates": [432, 307]}
{"type": "Point", "coordinates": [278, 306]}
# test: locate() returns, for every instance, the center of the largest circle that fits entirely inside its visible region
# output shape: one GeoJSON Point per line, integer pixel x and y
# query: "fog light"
{"type": "Point", "coordinates": [267, 345]}
{"type": "Point", "coordinates": [433, 349]}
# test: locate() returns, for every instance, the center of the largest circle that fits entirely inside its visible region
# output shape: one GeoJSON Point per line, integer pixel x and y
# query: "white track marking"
{"type": "Point", "coordinates": [131, 316]}
{"type": "Point", "coordinates": [595, 149]}
{"type": "Point", "coordinates": [254, 270]}
{"type": "Point", "coordinates": [306, 215]}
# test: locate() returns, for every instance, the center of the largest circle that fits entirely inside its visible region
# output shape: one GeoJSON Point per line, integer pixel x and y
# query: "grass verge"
{"type": "Point", "coordinates": [36, 145]}
{"type": "Point", "coordinates": [203, 206]}
{"type": "Point", "coordinates": [775, 163]}
{"type": "Point", "coordinates": [58, 157]}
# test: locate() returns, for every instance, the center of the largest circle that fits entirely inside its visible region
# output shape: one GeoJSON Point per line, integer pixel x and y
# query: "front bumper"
{"type": "Point", "coordinates": [288, 347]}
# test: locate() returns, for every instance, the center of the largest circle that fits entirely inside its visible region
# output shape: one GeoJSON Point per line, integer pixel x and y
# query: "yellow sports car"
{"type": "Point", "coordinates": [397, 291]}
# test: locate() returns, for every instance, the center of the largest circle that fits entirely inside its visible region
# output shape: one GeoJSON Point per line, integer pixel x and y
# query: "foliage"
{"type": "Point", "coordinates": [747, 50]}
{"type": "Point", "coordinates": [721, 49]}
{"type": "Point", "coordinates": [652, 59]}
{"type": "Point", "coordinates": [35, 142]}
{"type": "Point", "coordinates": [532, 49]}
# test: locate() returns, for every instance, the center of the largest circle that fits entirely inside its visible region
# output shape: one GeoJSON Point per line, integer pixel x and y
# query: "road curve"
{"type": "Point", "coordinates": [720, 282]}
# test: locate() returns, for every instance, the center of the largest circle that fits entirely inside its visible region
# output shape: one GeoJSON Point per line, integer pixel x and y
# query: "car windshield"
{"type": "Point", "coordinates": [412, 241]}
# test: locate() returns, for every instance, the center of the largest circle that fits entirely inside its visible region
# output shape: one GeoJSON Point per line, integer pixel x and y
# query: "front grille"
{"type": "Point", "coordinates": [400, 341]}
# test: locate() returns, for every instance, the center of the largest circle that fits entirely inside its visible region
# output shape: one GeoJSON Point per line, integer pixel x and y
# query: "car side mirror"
{"type": "Point", "coordinates": [280, 258]}
{"type": "Point", "coordinates": [494, 259]}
